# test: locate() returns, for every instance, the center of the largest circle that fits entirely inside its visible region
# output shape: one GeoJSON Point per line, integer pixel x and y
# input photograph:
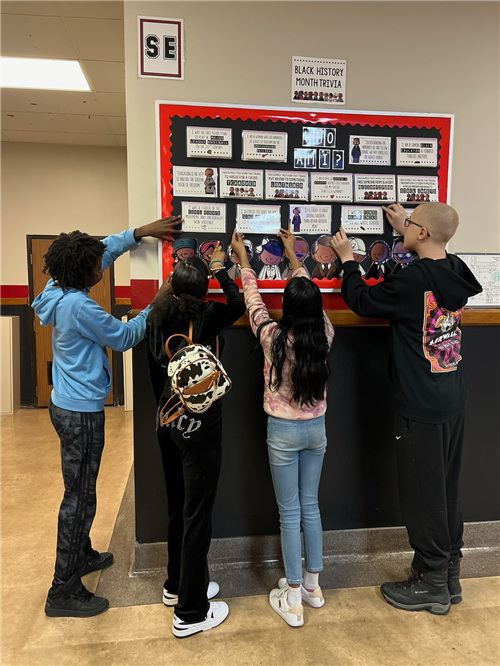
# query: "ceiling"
{"type": "Point", "coordinates": [90, 32]}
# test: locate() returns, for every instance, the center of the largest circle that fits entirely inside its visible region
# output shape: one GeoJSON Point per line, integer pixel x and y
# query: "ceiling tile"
{"type": "Point", "coordinates": [106, 76]}
{"type": "Point", "coordinates": [122, 139]}
{"type": "Point", "coordinates": [35, 37]}
{"type": "Point", "coordinates": [54, 122]}
{"type": "Point", "coordinates": [50, 101]}
{"type": "Point", "coordinates": [92, 9]}
{"type": "Point", "coordinates": [40, 8]}
{"type": "Point", "coordinates": [60, 137]}
{"type": "Point", "coordinates": [98, 39]}
{"type": "Point", "coordinates": [112, 103]}
{"type": "Point", "coordinates": [119, 125]}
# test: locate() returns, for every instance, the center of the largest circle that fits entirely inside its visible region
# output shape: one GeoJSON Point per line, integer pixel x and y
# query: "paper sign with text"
{"type": "Point", "coordinates": [318, 80]}
{"type": "Point", "coordinates": [362, 220]}
{"type": "Point", "coordinates": [418, 189]}
{"type": "Point", "coordinates": [194, 181]}
{"type": "Point", "coordinates": [331, 187]}
{"type": "Point", "coordinates": [208, 142]}
{"type": "Point", "coordinates": [264, 146]}
{"type": "Point", "coordinates": [370, 150]}
{"type": "Point", "coordinates": [374, 187]}
{"type": "Point", "coordinates": [287, 185]}
{"type": "Point", "coordinates": [307, 219]}
{"type": "Point", "coordinates": [204, 217]}
{"type": "Point", "coordinates": [258, 219]}
{"type": "Point", "coordinates": [416, 152]}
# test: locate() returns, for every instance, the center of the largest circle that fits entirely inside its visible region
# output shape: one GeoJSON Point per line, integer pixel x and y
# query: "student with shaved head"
{"type": "Point", "coordinates": [424, 305]}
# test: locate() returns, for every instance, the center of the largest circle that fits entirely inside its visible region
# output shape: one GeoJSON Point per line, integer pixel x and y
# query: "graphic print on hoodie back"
{"type": "Point", "coordinates": [442, 337]}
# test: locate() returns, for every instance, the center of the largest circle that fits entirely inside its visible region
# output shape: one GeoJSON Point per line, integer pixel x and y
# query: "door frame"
{"type": "Point", "coordinates": [29, 247]}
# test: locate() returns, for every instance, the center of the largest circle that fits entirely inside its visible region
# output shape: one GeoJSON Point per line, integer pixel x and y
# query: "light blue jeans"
{"type": "Point", "coordinates": [296, 451]}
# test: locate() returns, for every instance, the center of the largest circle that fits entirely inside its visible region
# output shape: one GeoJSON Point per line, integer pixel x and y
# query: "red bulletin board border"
{"type": "Point", "coordinates": [166, 110]}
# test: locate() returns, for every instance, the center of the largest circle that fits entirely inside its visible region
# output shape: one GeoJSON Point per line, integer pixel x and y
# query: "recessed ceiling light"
{"type": "Point", "coordinates": [42, 74]}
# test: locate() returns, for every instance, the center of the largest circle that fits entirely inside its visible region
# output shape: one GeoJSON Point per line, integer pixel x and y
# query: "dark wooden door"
{"type": "Point", "coordinates": [101, 293]}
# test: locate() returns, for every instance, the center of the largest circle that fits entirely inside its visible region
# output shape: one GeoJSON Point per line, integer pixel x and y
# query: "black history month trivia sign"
{"type": "Point", "coordinates": [318, 80]}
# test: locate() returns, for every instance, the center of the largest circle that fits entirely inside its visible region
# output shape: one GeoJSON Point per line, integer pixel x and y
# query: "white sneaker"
{"type": "Point", "coordinates": [314, 599]}
{"type": "Point", "coordinates": [170, 599]}
{"type": "Point", "coordinates": [293, 615]}
{"type": "Point", "coordinates": [217, 613]}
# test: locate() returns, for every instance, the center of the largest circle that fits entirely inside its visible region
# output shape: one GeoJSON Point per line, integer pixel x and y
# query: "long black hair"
{"type": "Point", "coordinates": [302, 320]}
{"type": "Point", "coordinates": [72, 258]}
{"type": "Point", "coordinates": [189, 283]}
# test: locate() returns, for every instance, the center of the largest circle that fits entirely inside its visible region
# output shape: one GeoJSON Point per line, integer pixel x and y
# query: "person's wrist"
{"type": "Point", "coordinates": [140, 232]}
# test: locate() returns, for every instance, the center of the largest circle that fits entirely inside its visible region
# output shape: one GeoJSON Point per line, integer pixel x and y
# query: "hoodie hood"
{"type": "Point", "coordinates": [45, 304]}
{"type": "Point", "coordinates": [452, 281]}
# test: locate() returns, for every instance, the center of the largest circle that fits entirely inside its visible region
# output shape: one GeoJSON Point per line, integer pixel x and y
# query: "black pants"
{"type": "Point", "coordinates": [429, 458]}
{"type": "Point", "coordinates": [82, 442]}
{"type": "Point", "coordinates": [191, 455]}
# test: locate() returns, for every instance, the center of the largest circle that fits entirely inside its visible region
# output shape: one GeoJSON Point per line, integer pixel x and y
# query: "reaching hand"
{"type": "Point", "coordinates": [396, 216]}
{"type": "Point", "coordinates": [166, 288]}
{"type": "Point", "coordinates": [160, 228]}
{"type": "Point", "coordinates": [238, 247]}
{"type": "Point", "coordinates": [342, 247]}
{"type": "Point", "coordinates": [288, 240]}
{"type": "Point", "coordinates": [218, 255]}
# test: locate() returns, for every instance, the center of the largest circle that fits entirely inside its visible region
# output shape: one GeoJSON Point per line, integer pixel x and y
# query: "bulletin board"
{"type": "Point", "coordinates": [367, 159]}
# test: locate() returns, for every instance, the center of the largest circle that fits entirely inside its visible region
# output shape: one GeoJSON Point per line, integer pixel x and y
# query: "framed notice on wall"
{"type": "Point", "coordinates": [261, 168]}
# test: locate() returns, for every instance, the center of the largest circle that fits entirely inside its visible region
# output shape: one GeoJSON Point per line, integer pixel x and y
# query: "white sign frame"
{"type": "Point", "coordinates": [401, 178]}
{"type": "Point", "coordinates": [281, 142]}
{"type": "Point", "coordinates": [363, 137]}
{"type": "Point", "coordinates": [416, 140]}
{"type": "Point", "coordinates": [342, 178]}
{"type": "Point", "coordinates": [301, 178]}
{"type": "Point", "coordinates": [325, 228]}
{"type": "Point", "coordinates": [259, 183]}
{"type": "Point", "coordinates": [145, 24]}
{"type": "Point", "coordinates": [390, 186]}
{"type": "Point", "coordinates": [326, 78]}
{"type": "Point", "coordinates": [179, 193]}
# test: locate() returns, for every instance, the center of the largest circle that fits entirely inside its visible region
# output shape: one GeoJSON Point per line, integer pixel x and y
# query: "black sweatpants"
{"type": "Point", "coordinates": [191, 455]}
{"type": "Point", "coordinates": [82, 441]}
{"type": "Point", "coordinates": [429, 458]}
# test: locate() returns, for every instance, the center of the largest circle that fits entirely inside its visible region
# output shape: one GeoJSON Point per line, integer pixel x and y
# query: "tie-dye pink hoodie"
{"type": "Point", "coordinates": [278, 404]}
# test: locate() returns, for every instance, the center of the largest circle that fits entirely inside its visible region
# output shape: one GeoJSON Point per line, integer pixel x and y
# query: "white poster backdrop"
{"type": "Point", "coordinates": [264, 146]}
{"type": "Point", "coordinates": [422, 152]}
{"type": "Point", "coordinates": [307, 219]}
{"type": "Point", "coordinates": [331, 187]}
{"type": "Point", "coordinates": [287, 185]}
{"type": "Point", "coordinates": [486, 269]}
{"type": "Point", "coordinates": [370, 150]}
{"type": "Point", "coordinates": [194, 181]}
{"type": "Point", "coordinates": [258, 219]}
{"type": "Point", "coordinates": [362, 219]}
{"type": "Point", "coordinates": [418, 189]}
{"type": "Point", "coordinates": [209, 142]}
{"type": "Point", "coordinates": [204, 217]}
{"type": "Point", "coordinates": [374, 187]}
{"type": "Point", "coordinates": [318, 80]}
{"type": "Point", "coordinates": [241, 183]}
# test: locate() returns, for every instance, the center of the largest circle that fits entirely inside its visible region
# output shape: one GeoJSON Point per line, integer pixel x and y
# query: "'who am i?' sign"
{"type": "Point", "coordinates": [318, 80]}
{"type": "Point", "coordinates": [161, 47]}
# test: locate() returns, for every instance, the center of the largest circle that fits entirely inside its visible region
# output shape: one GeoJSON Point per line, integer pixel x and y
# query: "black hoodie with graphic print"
{"type": "Point", "coordinates": [424, 305]}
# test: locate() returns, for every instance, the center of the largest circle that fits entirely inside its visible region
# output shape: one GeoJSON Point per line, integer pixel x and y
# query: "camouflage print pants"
{"type": "Point", "coordinates": [82, 442]}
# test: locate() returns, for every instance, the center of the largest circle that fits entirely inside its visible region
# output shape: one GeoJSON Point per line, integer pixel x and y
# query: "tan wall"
{"type": "Point", "coordinates": [439, 57]}
{"type": "Point", "coordinates": [47, 189]}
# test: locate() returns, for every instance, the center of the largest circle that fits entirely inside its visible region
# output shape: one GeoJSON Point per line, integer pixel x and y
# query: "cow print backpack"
{"type": "Point", "coordinates": [197, 378]}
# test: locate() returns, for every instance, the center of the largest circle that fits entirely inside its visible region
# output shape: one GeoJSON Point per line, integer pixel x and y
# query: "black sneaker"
{"type": "Point", "coordinates": [422, 591]}
{"type": "Point", "coordinates": [74, 600]}
{"type": "Point", "coordinates": [454, 586]}
{"type": "Point", "coordinates": [95, 561]}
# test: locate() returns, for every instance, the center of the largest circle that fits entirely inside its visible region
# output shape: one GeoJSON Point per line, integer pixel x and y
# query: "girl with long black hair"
{"type": "Point", "coordinates": [191, 444]}
{"type": "Point", "coordinates": [296, 373]}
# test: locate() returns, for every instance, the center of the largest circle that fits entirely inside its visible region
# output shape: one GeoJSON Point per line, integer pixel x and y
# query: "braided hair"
{"type": "Point", "coordinates": [72, 258]}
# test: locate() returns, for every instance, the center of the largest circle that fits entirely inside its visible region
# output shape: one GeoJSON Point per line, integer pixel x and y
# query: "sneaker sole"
{"type": "Point", "coordinates": [61, 612]}
{"type": "Point", "coordinates": [317, 603]}
{"type": "Point", "coordinates": [290, 623]}
{"type": "Point", "coordinates": [185, 633]}
{"type": "Point", "coordinates": [434, 608]}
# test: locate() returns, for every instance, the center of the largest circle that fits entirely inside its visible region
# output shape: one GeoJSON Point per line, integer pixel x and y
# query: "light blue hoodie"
{"type": "Point", "coordinates": [81, 373]}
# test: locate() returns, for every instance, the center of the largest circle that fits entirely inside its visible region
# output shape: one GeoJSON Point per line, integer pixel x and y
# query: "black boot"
{"type": "Point", "coordinates": [74, 600]}
{"type": "Point", "coordinates": [422, 591]}
{"type": "Point", "coordinates": [95, 561]}
{"type": "Point", "coordinates": [454, 581]}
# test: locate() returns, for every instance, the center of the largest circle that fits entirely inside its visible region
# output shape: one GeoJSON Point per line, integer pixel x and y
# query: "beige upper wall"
{"type": "Point", "coordinates": [438, 57]}
{"type": "Point", "coordinates": [47, 189]}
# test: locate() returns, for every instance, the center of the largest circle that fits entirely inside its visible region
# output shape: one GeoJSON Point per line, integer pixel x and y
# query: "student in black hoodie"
{"type": "Point", "coordinates": [191, 444]}
{"type": "Point", "coordinates": [424, 305]}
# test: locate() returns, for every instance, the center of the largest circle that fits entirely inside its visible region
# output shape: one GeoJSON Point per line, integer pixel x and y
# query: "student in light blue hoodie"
{"type": "Point", "coordinates": [81, 375]}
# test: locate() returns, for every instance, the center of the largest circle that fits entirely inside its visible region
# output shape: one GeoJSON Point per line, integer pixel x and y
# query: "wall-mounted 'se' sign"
{"type": "Point", "coordinates": [161, 47]}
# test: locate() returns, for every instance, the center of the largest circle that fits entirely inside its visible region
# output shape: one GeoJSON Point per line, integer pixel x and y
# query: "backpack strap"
{"type": "Point", "coordinates": [188, 338]}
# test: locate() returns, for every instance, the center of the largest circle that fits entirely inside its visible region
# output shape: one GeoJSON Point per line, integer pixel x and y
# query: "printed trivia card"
{"type": "Point", "coordinates": [331, 187]}
{"type": "Point", "coordinates": [307, 219]}
{"type": "Point", "coordinates": [194, 181]}
{"type": "Point", "coordinates": [242, 183]}
{"type": "Point", "coordinates": [287, 185]}
{"type": "Point", "coordinates": [418, 189]}
{"type": "Point", "coordinates": [208, 142]}
{"type": "Point", "coordinates": [370, 150]}
{"type": "Point", "coordinates": [416, 152]}
{"type": "Point", "coordinates": [362, 220]}
{"type": "Point", "coordinates": [204, 217]}
{"type": "Point", "coordinates": [374, 187]}
{"type": "Point", "coordinates": [258, 219]}
{"type": "Point", "coordinates": [264, 146]}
